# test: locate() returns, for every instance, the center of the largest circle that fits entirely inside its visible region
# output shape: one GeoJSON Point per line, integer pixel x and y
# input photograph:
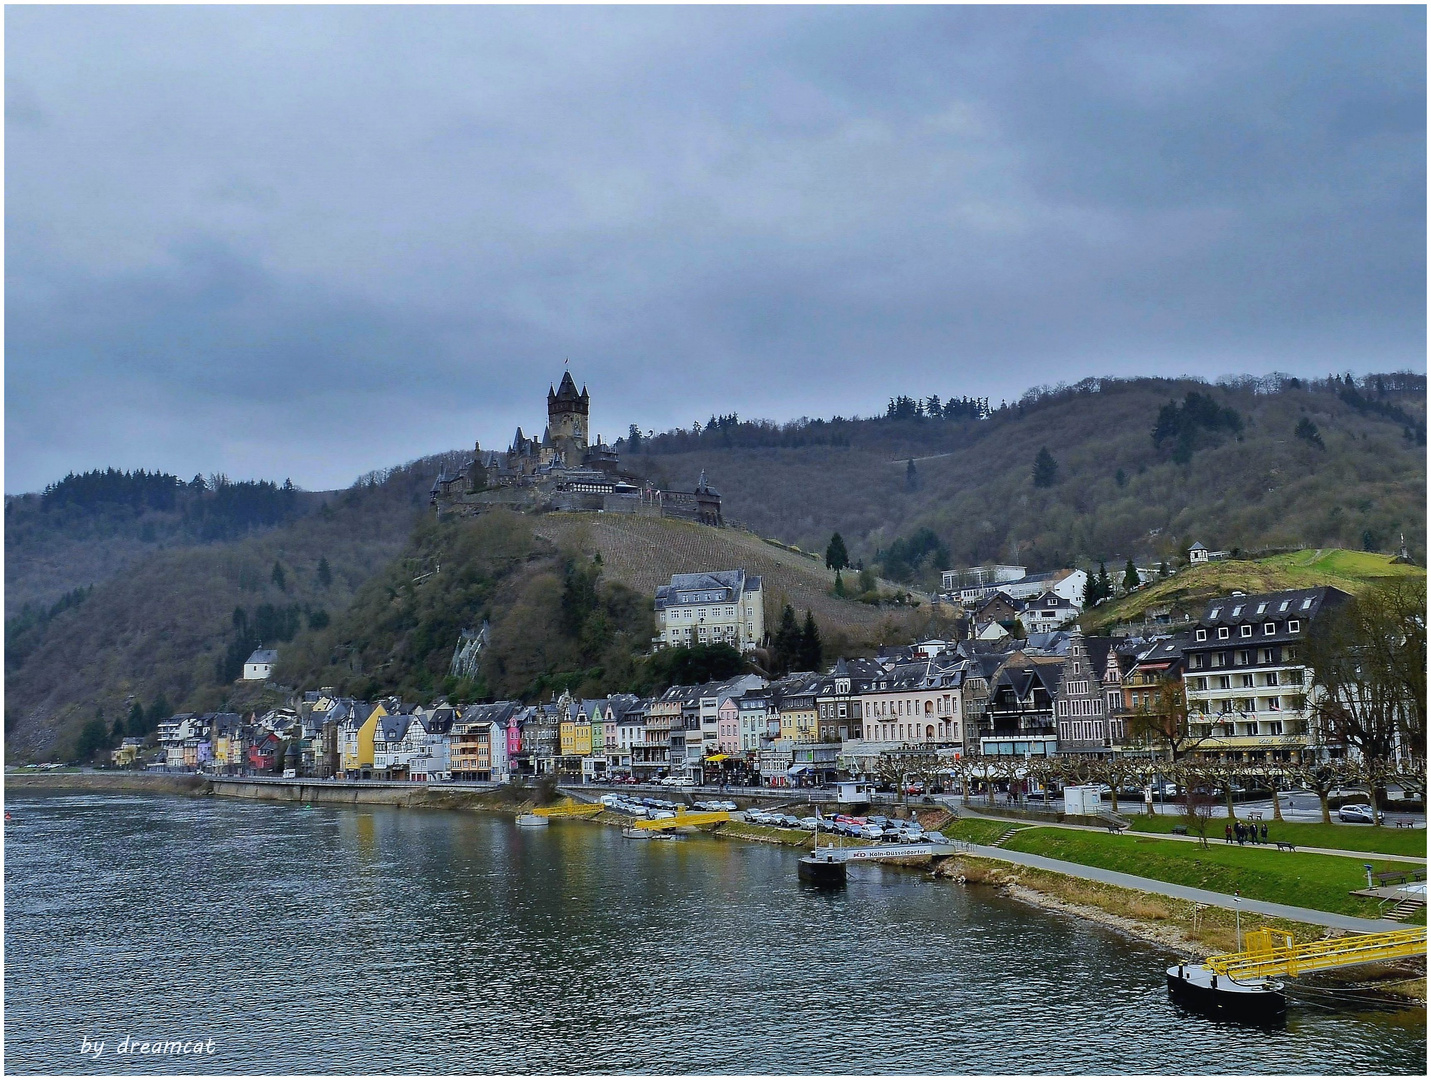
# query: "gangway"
{"type": "Point", "coordinates": [709, 817]}
{"type": "Point", "coordinates": [876, 852]}
{"type": "Point", "coordinates": [570, 809]}
{"type": "Point", "coordinates": [1271, 954]}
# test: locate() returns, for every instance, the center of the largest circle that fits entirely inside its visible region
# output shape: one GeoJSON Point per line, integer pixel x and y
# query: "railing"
{"type": "Point", "coordinates": [1270, 953]}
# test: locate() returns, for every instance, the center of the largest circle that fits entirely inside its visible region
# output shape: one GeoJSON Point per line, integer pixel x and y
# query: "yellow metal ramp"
{"type": "Point", "coordinates": [1272, 953]}
{"type": "Point", "coordinates": [706, 818]}
{"type": "Point", "coordinates": [570, 809]}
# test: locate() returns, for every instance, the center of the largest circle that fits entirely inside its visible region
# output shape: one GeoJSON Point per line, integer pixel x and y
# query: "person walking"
{"type": "Point", "coordinates": [1264, 832]}
{"type": "Point", "coordinates": [1227, 833]}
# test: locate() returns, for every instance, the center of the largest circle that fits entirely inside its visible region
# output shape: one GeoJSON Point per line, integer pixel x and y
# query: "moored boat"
{"type": "Point", "coordinates": [822, 868]}
{"type": "Point", "coordinates": [1259, 1001]}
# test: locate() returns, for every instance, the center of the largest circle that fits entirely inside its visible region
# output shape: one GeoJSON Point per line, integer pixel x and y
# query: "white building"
{"type": "Point", "coordinates": [259, 666]}
{"type": "Point", "coordinates": [1068, 584]}
{"type": "Point", "coordinates": [723, 606]}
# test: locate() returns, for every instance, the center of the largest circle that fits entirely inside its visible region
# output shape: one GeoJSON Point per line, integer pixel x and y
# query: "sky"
{"type": "Point", "coordinates": [309, 242]}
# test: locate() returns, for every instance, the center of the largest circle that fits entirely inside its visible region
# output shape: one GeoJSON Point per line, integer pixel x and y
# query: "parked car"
{"type": "Point", "coordinates": [1360, 813]}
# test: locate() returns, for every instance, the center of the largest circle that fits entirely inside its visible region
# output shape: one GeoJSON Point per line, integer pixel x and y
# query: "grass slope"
{"type": "Point", "coordinates": [1322, 882]}
{"type": "Point", "coordinates": [1350, 571]}
{"type": "Point", "coordinates": [643, 552]}
{"type": "Point", "coordinates": [1310, 834]}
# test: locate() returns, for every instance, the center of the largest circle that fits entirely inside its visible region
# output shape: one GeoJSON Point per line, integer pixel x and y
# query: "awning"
{"type": "Point", "coordinates": [796, 769]}
{"type": "Point", "coordinates": [717, 757]}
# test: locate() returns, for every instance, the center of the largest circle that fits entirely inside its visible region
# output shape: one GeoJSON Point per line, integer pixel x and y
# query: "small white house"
{"type": "Point", "coordinates": [853, 791]}
{"type": "Point", "coordinates": [1083, 799]}
{"type": "Point", "coordinates": [259, 666]}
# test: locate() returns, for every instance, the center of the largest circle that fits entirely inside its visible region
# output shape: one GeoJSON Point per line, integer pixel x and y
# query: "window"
{"type": "Point", "coordinates": [1237, 611]}
{"type": "Point", "coordinates": [1293, 625]}
{"type": "Point", "coordinates": [1214, 613]}
{"type": "Point", "coordinates": [1269, 628]}
{"type": "Point", "coordinates": [1223, 633]}
{"type": "Point", "coordinates": [1267, 656]}
{"type": "Point", "coordinates": [1246, 680]}
{"type": "Point", "coordinates": [1261, 608]}
{"type": "Point", "coordinates": [1246, 629]}
{"type": "Point", "coordinates": [1274, 704]}
{"type": "Point", "coordinates": [1284, 605]}
{"type": "Point", "coordinates": [1244, 657]}
{"type": "Point", "coordinates": [1202, 635]}
{"type": "Point", "coordinates": [1224, 682]}
{"type": "Point", "coordinates": [1307, 604]}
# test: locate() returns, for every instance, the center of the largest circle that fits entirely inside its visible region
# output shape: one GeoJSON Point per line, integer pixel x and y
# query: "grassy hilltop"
{"type": "Point", "coordinates": [1350, 571]}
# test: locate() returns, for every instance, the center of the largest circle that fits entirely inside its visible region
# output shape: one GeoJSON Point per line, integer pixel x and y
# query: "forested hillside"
{"type": "Point", "coordinates": [140, 588]}
{"type": "Point", "coordinates": [172, 623]}
{"type": "Point", "coordinates": [1135, 468]}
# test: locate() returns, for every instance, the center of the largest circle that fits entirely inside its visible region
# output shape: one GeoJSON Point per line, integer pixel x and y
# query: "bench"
{"type": "Point", "coordinates": [1400, 877]}
{"type": "Point", "coordinates": [1180, 830]}
{"type": "Point", "coordinates": [1282, 845]}
{"type": "Point", "coordinates": [1403, 824]}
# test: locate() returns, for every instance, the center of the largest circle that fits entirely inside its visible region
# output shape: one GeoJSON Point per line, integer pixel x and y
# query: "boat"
{"type": "Point", "coordinates": [1199, 989]}
{"type": "Point", "coordinates": [531, 821]}
{"type": "Point", "coordinates": [822, 867]}
{"type": "Point", "coordinates": [633, 833]}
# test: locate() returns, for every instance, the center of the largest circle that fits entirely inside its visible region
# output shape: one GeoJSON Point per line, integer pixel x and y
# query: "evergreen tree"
{"type": "Point", "coordinates": [135, 726]}
{"type": "Point", "coordinates": [836, 557]}
{"type": "Point", "coordinates": [633, 439]}
{"type": "Point", "coordinates": [1045, 470]}
{"type": "Point", "coordinates": [1130, 577]}
{"type": "Point", "coordinates": [785, 647]}
{"type": "Point", "coordinates": [93, 738]}
{"type": "Point", "coordinates": [868, 582]}
{"type": "Point", "coordinates": [812, 649]}
{"type": "Point", "coordinates": [911, 476]}
{"type": "Point", "coordinates": [278, 578]}
{"type": "Point", "coordinates": [1105, 587]}
{"type": "Point", "coordinates": [1163, 568]}
{"type": "Point", "coordinates": [325, 572]}
{"type": "Point", "coordinates": [839, 584]}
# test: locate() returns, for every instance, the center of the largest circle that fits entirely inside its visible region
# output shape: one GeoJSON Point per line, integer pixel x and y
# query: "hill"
{"type": "Point", "coordinates": [168, 624]}
{"type": "Point", "coordinates": [1350, 571]}
{"type": "Point", "coordinates": [643, 552]}
{"type": "Point", "coordinates": [1355, 476]}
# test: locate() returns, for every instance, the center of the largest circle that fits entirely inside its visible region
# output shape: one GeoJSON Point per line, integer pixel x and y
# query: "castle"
{"type": "Point", "coordinates": [563, 470]}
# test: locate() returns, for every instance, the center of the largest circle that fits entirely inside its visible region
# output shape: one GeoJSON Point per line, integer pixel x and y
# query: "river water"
{"type": "Point", "coordinates": [343, 940]}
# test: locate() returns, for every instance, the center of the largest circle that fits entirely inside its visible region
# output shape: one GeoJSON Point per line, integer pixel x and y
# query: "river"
{"type": "Point", "coordinates": [357, 939]}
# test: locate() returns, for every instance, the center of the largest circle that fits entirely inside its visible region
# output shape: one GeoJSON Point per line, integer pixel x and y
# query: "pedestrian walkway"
{"type": "Point", "coordinates": [1185, 892]}
{"type": "Point", "coordinates": [968, 811]}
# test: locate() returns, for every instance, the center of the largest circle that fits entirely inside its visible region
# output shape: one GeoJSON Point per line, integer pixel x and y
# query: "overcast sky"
{"type": "Point", "coordinates": [310, 242]}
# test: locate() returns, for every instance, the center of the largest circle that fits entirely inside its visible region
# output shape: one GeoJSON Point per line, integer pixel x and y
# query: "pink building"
{"type": "Point", "coordinates": [728, 718]}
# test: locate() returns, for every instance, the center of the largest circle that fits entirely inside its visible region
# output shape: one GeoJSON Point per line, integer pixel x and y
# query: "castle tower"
{"type": "Point", "coordinates": [568, 420]}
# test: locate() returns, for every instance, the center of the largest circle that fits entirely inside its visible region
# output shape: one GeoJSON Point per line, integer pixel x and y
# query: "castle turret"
{"type": "Point", "coordinates": [567, 420]}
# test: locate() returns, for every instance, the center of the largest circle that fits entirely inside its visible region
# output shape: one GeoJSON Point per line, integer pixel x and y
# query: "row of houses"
{"type": "Point", "coordinates": [1239, 668]}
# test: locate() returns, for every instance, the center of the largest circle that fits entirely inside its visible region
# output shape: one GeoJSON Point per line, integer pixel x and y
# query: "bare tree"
{"type": "Point", "coordinates": [1197, 802]}
{"type": "Point", "coordinates": [1223, 774]}
{"type": "Point", "coordinates": [1166, 720]}
{"type": "Point", "coordinates": [1322, 778]}
{"type": "Point", "coordinates": [1271, 775]}
{"type": "Point", "coordinates": [1120, 773]}
{"type": "Point", "coordinates": [1368, 657]}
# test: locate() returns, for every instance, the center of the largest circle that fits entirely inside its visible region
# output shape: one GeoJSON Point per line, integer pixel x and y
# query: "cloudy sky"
{"type": "Point", "coordinates": [310, 242]}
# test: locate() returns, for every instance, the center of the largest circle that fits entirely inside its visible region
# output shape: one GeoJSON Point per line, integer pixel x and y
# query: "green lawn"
{"type": "Point", "coordinates": [1322, 882]}
{"type": "Point", "coordinates": [978, 830]}
{"type": "Point", "coordinates": [1388, 841]}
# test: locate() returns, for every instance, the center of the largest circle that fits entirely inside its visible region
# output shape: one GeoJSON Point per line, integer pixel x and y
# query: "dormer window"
{"type": "Point", "coordinates": [1223, 633]}
{"type": "Point", "coordinates": [1293, 626]}
{"type": "Point", "coordinates": [1202, 635]}
{"type": "Point", "coordinates": [1246, 629]}
{"type": "Point", "coordinates": [1269, 628]}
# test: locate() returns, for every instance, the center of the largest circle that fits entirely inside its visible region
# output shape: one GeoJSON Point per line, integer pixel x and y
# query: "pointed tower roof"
{"type": "Point", "coordinates": [566, 391]}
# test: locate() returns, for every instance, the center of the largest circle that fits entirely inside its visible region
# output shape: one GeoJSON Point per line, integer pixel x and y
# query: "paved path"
{"type": "Point", "coordinates": [1184, 892]}
{"type": "Point", "coordinates": [1271, 845]}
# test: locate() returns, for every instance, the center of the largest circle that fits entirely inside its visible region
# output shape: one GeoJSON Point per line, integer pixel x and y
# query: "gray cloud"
{"type": "Point", "coordinates": [314, 241]}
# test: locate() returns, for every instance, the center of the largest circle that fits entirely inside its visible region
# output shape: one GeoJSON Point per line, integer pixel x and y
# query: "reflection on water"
{"type": "Point", "coordinates": [375, 939]}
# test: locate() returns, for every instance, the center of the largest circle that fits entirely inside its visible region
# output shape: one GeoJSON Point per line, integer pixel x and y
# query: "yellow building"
{"type": "Point", "coordinates": [357, 745]}
{"type": "Point", "coordinates": [576, 737]}
{"type": "Point", "coordinates": [799, 715]}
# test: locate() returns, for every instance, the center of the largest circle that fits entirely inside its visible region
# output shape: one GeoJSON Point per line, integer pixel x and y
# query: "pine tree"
{"type": "Point", "coordinates": [278, 577]}
{"type": "Point", "coordinates": [135, 724]}
{"type": "Point", "coordinates": [812, 649]}
{"type": "Point", "coordinates": [325, 572]}
{"type": "Point", "coordinates": [1105, 587]}
{"type": "Point", "coordinates": [839, 584]}
{"type": "Point", "coordinates": [911, 476]}
{"type": "Point", "coordinates": [785, 648]}
{"type": "Point", "coordinates": [1045, 470]}
{"type": "Point", "coordinates": [836, 557]}
{"type": "Point", "coordinates": [1130, 577]}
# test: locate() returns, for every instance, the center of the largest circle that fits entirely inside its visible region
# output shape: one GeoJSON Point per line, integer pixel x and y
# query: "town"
{"type": "Point", "coordinates": [1230, 699]}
